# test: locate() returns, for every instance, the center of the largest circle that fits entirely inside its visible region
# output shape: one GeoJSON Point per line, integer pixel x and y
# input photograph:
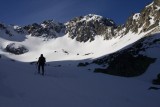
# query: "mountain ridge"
{"type": "Point", "coordinates": [129, 53]}
{"type": "Point", "coordinates": [86, 32]}
{"type": "Point", "coordinates": [85, 28]}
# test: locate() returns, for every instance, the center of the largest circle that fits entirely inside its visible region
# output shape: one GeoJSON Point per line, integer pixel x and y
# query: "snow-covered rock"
{"type": "Point", "coordinates": [85, 28]}
{"type": "Point", "coordinates": [134, 60]}
{"type": "Point", "coordinates": [147, 20]}
{"type": "Point", "coordinates": [16, 49]}
{"type": "Point", "coordinates": [48, 29]}
{"type": "Point", "coordinates": [130, 49]}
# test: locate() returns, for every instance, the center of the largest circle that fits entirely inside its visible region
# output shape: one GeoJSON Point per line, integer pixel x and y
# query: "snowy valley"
{"type": "Point", "coordinates": [91, 62]}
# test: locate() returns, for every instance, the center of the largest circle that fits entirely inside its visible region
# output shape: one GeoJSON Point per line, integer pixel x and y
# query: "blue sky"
{"type": "Point", "coordinates": [23, 12]}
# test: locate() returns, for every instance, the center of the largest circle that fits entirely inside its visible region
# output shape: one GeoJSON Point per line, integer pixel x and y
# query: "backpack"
{"type": "Point", "coordinates": [41, 60]}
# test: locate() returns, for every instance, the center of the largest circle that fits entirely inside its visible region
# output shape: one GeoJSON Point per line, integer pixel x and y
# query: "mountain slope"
{"type": "Point", "coordinates": [133, 60]}
{"type": "Point", "coordinates": [146, 20]}
{"type": "Point", "coordinates": [85, 28]}
{"type": "Point", "coordinates": [48, 29]}
{"type": "Point", "coordinates": [69, 85]}
{"type": "Point", "coordinates": [73, 51]}
{"type": "Point", "coordinates": [86, 37]}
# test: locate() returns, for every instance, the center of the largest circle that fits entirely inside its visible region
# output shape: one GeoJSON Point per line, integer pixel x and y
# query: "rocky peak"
{"type": "Point", "coordinates": [47, 29]}
{"type": "Point", "coordinates": [2, 26]}
{"type": "Point", "coordinates": [51, 24]}
{"type": "Point", "coordinates": [18, 29]}
{"type": "Point", "coordinates": [92, 17]}
{"type": "Point", "coordinates": [147, 19]}
{"type": "Point", "coordinates": [11, 30]}
{"type": "Point", "coordinates": [85, 28]}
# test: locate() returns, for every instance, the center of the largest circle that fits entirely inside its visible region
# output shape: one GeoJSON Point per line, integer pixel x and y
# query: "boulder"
{"type": "Point", "coordinates": [16, 49]}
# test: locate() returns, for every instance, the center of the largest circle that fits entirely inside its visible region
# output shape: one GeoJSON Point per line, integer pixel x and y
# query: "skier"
{"type": "Point", "coordinates": [41, 63]}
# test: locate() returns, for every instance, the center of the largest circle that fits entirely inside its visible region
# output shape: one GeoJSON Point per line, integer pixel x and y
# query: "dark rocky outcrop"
{"type": "Point", "coordinates": [131, 61]}
{"type": "Point", "coordinates": [83, 64]}
{"type": "Point", "coordinates": [85, 28]}
{"type": "Point", "coordinates": [9, 29]}
{"type": "Point", "coordinates": [8, 33]}
{"type": "Point", "coordinates": [157, 80]}
{"type": "Point", "coordinates": [19, 29]}
{"type": "Point", "coordinates": [147, 19]}
{"type": "Point", "coordinates": [2, 26]}
{"type": "Point", "coordinates": [48, 29]}
{"type": "Point", "coordinates": [153, 88]}
{"type": "Point", "coordinates": [16, 49]}
{"type": "Point", "coordinates": [127, 65]}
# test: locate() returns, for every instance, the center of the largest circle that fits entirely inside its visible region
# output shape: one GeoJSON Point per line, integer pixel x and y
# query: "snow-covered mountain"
{"type": "Point", "coordinates": [143, 51]}
{"type": "Point", "coordinates": [76, 49]}
{"type": "Point", "coordinates": [84, 37]}
{"type": "Point", "coordinates": [85, 28]}
{"type": "Point", "coordinates": [147, 19]}
{"type": "Point", "coordinates": [48, 29]}
{"type": "Point", "coordinates": [12, 32]}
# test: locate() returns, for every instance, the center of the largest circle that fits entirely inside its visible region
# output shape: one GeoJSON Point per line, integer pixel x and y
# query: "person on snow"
{"type": "Point", "coordinates": [41, 62]}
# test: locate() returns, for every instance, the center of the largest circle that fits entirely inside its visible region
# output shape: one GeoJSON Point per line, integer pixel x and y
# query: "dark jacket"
{"type": "Point", "coordinates": [41, 60]}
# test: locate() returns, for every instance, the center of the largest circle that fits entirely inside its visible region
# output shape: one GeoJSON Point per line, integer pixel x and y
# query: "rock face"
{"type": "Point", "coordinates": [85, 28]}
{"type": "Point", "coordinates": [157, 80]}
{"type": "Point", "coordinates": [12, 30]}
{"type": "Point", "coordinates": [48, 29]}
{"type": "Point", "coordinates": [126, 64]}
{"type": "Point", "coordinates": [16, 49]}
{"type": "Point", "coordinates": [148, 19]}
{"type": "Point", "coordinates": [157, 2]}
{"type": "Point", "coordinates": [19, 29]}
{"type": "Point", "coordinates": [132, 61]}
{"type": "Point", "coordinates": [2, 26]}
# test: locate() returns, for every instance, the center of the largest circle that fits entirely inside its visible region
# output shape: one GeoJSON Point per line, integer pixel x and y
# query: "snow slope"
{"type": "Point", "coordinates": [65, 48]}
{"type": "Point", "coordinates": [65, 84]}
